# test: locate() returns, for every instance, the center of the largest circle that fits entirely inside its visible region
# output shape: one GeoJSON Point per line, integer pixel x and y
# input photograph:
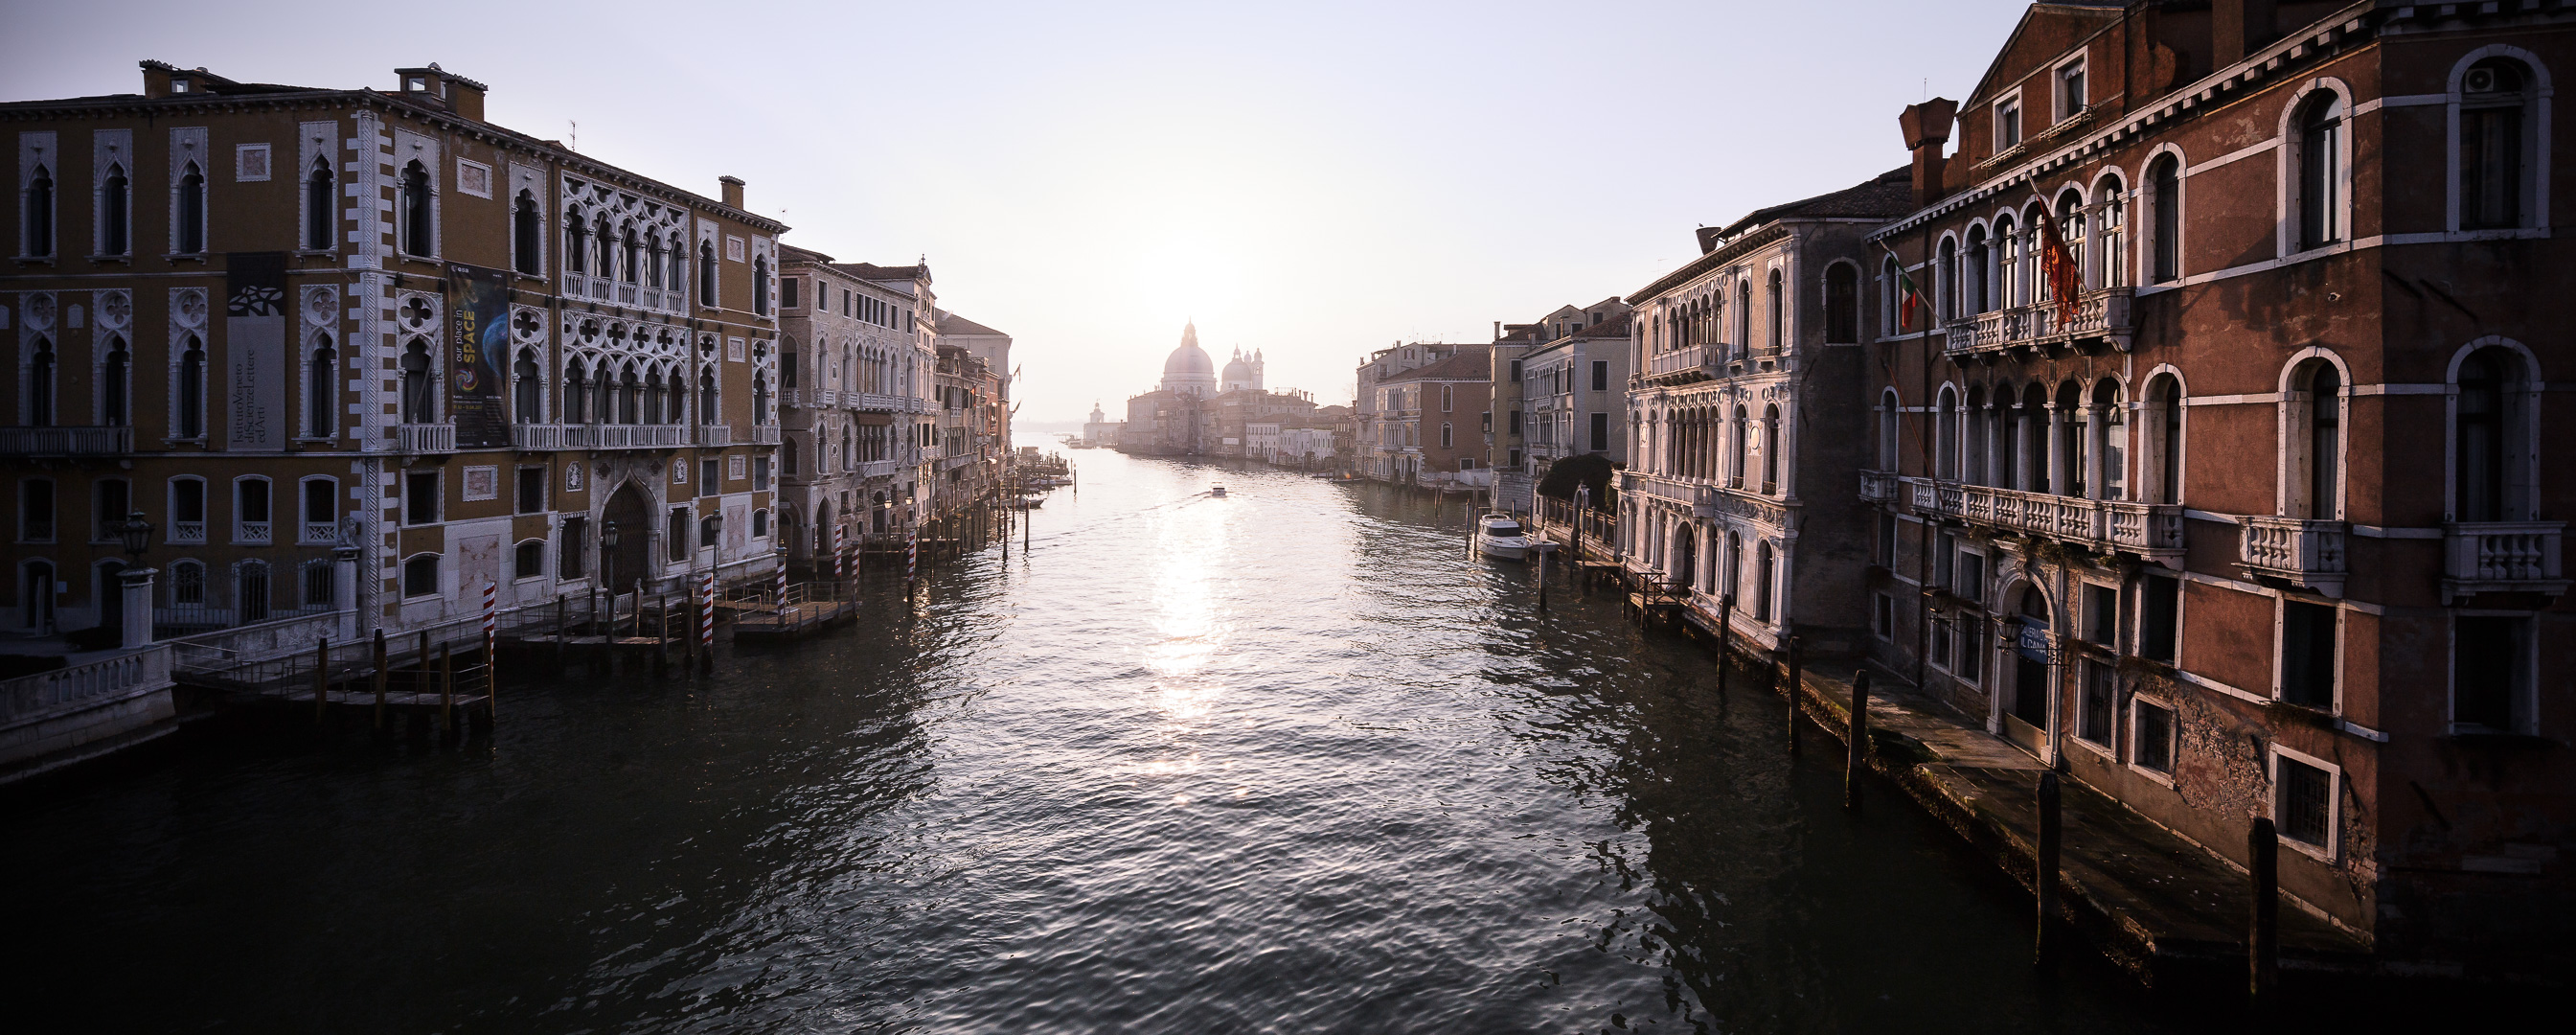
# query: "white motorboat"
{"type": "Point", "coordinates": [1217, 491]}
{"type": "Point", "coordinates": [1500, 536]}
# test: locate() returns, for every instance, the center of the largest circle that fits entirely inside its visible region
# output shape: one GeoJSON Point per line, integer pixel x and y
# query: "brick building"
{"type": "Point", "coordinates": [2251, 512]}
{"type": "Point", "coordinates": [285, 322]}
{"type": "Point", "coordinates": [856, 381]}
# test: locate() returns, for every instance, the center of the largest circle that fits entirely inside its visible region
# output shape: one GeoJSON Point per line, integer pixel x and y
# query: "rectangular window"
{"type": "Point", "coordinates": [787, 292]}
{"type": "Point", "coordinates": [2491, 666]}
{"type": "Point", "coordinates": [1516, 371]}
{"type": "Point", "coordinates": [675, 534]}
{"type": "Point", "coordinates": [2101, 615]}
{"type": "Point", "coordinates": [2302, 801]}
{"type": "Point", "coordinates": [1600, 432]}
{"type": "Point", "coordinates": [2307, 654]}
{"type": "Point", "coordinates": [2007, 125]}
{"type": "Point", "coordinates": [420, 498]}
{"type": "Point", "coordinates": [1444, 398]}
{"type": "Point", "coordinates": [2159, 618]}
{"type": "Point", "coordinates": [532, 490]}
{"type": "Point", "coordinates": [115, 498]}
{"type": "Point", "coordinates": [1488, 422]}
{"type": "Point", "coordinates": [1943, 560]}
{"type": "Point", "coordinates": [1972, 646]}
{"type": "Point", "coordinates": [2070, 91]}
{"type": "Point", "coordinates": [1600, 375]}
{"type": "Point", "coordinates": [787, 367]}
{"type": "Point", "coordinates": [1971, 582]}
{"type": "Point", "coordinates": [2152, 726]}
{"type": "Point", "coordinates": [36, 511]}
{"type": "Point", "coordinates": [708, 474]}
{"type": "Point", "coordinates": [1887, 541]}
{"type": "Point", "coordinates": [1939, 647]}
{"type": "Point", "coordinates": [2094, 724]}
{"type": "Point", "coordinates": [574, 547]}
{"type": "Point", "coordinates": [529, 560]}
{"type": "Point", "coordinates": [760, 474]}
{"type": "Point", "coordinates": [1515, 422]}
{"type": "Point", "coordinates": [1886, 617]}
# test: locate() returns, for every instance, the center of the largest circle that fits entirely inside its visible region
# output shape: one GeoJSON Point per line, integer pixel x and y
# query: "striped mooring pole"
{"type": "Point", "coordinates": [491, 649]}
{"type": "Point", "coordinates": [911, 562]}
{"type": "Point", "coordinates": [707, 623]}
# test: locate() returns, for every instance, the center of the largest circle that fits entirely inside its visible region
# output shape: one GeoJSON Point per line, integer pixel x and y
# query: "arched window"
{"type": "Point", "coordinates": [321, 508]}
{"type": "Point", "coordinates": [576, 391]}
{"type": "Point", "coordinates": [632, 269]}
{"type": "Point", "coordinates": [2071, 229]}
{"type": "Point", "coordinates": [1771, 449]}
{"type": "Point", "coordinates": [1842, 301]}
{"type": "Point", "coordinates": [319, 200]}
{"type": "Point", "coordinates": [1743, 318]}
{"type": "Point", "coordinates": [2164, 202]}
{"type": "Point", "coordinates": [706, 398]}
{"type": "Point", "coordinates": [2007, 264]}
{"type": "Point", "coordinates": [2322, 187]}
{"type": "Point", "coordinates": [527, 232]}
{"type": "Point", "coordinates": [251, 510]}
{"type": "Point", "coordinates": [1735, 451]}
{"type": "Point", "coordinates": [116, 380]}
{"type": "Point", "coordinates": [2495, 144]}
{"type": "Point", "coordinates": [527, 388]}
{"type": "Point", "coordinates": [2313, 427]}
{"type": "Point", "coordinates": [1977, 422]}
{"type": "Point", "coordinates": [1946, 277]}
{"type": "Point", "coordinates": [760, 401]}
{"type": "Point", "coordinates": [760, 524]}
{"type": "Point", "coordinates": [420, 576]}
{"type": "Point", "coordinates": [2112, 216]}
{"type": "Point", "coordinates": [40, 212]}
{"type": "Point", "coordinates": [576, 244]}
{"type": "Point", "coordinates": [787, 451]}
{"type": "Point", "coordinates": [1776, 298]}
{"type": "Point", "coordinates": [1945, 451]}
{"type": "Point", "coordinates": [40, 385]}
{"type": "Point", "coordinates": [189, 237]}
{"type": "Point", "coordinates": [188, 584]}
{"type": "Point", "coordinates": [2161, 424]}
{"type": "Point", "coordinates": [1980, 286]}
{"type": "Point", "coordinates": [760, 286]}
{"type": "Point", "coordinates": [191, 416]}
{"type": "Point", "coordinates": [1762, 579]}
{"type": "Point", "coordinates": [2074, 438]}
{"type": "Point", "coordinates": [630, 396]}
{"type": "Point", "coordinates": [2110, 447]}
{"type": "Point", "coordinates": [2490, 438]}
{"type": "Point", "coordinates": [653, 263]}
{"type": "Point", "coordinates": [416, 228]}
{"type": "Point", "coordinates": [671, 277]}
{"type": "Point", "coordinates": [321, 398]}
{"type": "Point", "coordinates": [653, 397]}
{"type": "Point", "coordinates": [706, 274]}
{"type": "Point", "coordinates": [187, 509]}
{"type": "Point", "coordinates": [419, 405]}
{"type": "Point", "coordinates": [115, 212]}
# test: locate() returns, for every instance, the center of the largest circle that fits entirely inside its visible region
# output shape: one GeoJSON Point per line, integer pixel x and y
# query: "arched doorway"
{"type": "Point", "coordinates": [2029, 699]}
{"type": "Point", "coordinates": [1684, 571]}
{"type": "Point", "coordinates": [823, 544]}
{"type": "Point", "coordinates": [631, 511]}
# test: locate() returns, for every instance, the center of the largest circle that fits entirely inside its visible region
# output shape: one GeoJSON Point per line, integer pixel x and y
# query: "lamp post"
{"type": "Point", "coordinates": [608, 536]}
{"type": "Point", "coordinates": [134, 582]}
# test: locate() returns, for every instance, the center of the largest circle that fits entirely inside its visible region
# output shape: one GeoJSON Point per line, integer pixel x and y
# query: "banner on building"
{"type": "Point", "coordinates": [478, 349]}
{"type": "Point", "coordinates": [255, 412]}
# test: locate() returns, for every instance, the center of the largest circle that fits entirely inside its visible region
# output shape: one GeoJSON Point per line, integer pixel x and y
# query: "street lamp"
{"type": "Point", "coordinates": [608, 533]}
{"type": "Point", "coordinates": [135, 533]}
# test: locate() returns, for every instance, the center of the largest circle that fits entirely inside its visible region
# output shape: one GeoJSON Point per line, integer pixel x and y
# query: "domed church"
{"type": "Point", "coordinates": [1243, 373]}
{"type": "Point", "coordinates": [1189, 371]}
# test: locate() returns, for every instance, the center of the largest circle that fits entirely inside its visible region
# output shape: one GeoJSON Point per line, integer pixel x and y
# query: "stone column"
{"type": "Point", "coordinates": [2056, 450]}
{"type": "Point", "coordinates": [2091, 416]}
{"type": "Point", "coordinates": [136, 584]}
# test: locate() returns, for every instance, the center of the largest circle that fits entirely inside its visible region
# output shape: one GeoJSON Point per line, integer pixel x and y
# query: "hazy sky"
{"type": "Point", "coordinates": [1315, 180]}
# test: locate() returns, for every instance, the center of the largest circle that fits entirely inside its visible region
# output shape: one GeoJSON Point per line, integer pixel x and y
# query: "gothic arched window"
{"type": "Point", "coordinates": [318, 203]}
{"type": "Point", "coordinates": [527, 229]}
{"type": "Point", "coordinates": [115, 213]}
{"type": "Point", "coordinates": [418, 404]}
{"type": "Point", "coordinates": [320, 398]}
{"type": "Point", "coordinates": [191, 416]}
{"type": "Point", "coordinates": [190, 238]}
{"type": "Point", "coordinates": [40, 213]}
{"type": "Point", "coordinates": [416, 228]}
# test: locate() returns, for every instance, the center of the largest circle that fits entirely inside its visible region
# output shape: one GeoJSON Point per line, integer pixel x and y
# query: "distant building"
{"type": "Point", "coordinates": [1195, 412]}
{"type": "Point", "coordinates": [1100, 430]}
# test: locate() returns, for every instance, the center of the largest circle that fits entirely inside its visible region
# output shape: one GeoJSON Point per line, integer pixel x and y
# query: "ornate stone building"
{"type": "Point", "coordinates": [857, 382]}
{"type": "Point", "coordinates": [280, 321]}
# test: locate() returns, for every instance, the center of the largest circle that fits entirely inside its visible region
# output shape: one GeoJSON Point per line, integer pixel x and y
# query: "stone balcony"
{"type": "Point", "coordinates": [624, 436]}
{"type": "Point", "coordinates": [881, 468]}
{"type": "Point", "coordinates": [1707, 500]}
{"type": "Point", "coordinates": [1878, 486]}
{"type": "Point", "coordinates": [2502, 557]}
{"type": "Point", "coordinates": [85, 441]}
{"type": "Point", "coordinates": [2294, 553]}
{"type": "Point", "coordinates": [712, 434]}
{"type": "Point", "coordinates": [763, 435]}
{"type": "Point", "coordinates": [2100, 315]}
{"type": "Point", "coordinates": [2150, 530]}
{"type": "Point", "coordinates": [1685, 365]}
{"type": "Point", "coordinates": [423, 439]}
{"type": "Point", "coordinates": [537, 437]}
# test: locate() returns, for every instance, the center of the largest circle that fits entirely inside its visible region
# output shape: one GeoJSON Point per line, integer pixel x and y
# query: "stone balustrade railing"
{"type": "Point", "coordinates": [85, 441]}
{"type": "Point", "coordinates": [2100, 314]}
{"type": "Point", "coordinates": [2503, 557]}
{"type": "Point", "coordinates": [2298, 552]}
{"type": "Point", "coordinates": [28, 698]}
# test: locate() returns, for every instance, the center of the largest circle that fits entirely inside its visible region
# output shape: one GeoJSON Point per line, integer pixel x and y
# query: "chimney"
{"type": "Point", "coordinates": [731, 190]}
{"type": "Point", "coordinates": [1927, 127]}
{"type": "Point", "coordinates": [2238, 28]}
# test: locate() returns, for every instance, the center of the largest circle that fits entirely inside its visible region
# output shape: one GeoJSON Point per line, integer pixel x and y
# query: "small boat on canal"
{"type": "Point", "coordinates": [1499, 536]}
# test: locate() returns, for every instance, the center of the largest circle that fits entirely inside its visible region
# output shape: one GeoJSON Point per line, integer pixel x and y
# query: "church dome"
{"type": "Point", "coordinates": [1238, 370]}
{"type": "Point", "coordinates": [1189, 370]}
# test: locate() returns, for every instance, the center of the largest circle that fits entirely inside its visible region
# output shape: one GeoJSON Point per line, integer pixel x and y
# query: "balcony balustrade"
{"type": "Point", "coordinates": [83, 441]}
{"type": "Point", "coordinates": [1680, 366]}
{"type": "Point", "coordinates": [2502, 557]}
{"type": "Point", "coordinates": [1878, 487]}
{"type": "Point", "coordinates": [537, 437]}
{"type": "Point", "coordinates": [420, 439]}
{"type": "Point", "coordinates": [714, 434]}
{"type": "Point", "coordinates": [2150, 530]}
{"type": "Point", "coordinates": [2294, 552]}
{"type": "Point", "coordinates": [624, 436]}
{"type": "Point", "coordinates": [252, 533]}
{"type": "Point", "coordinates": [320, 533]}
{"type": "Point", "coordinates": [187, 532]}
{"type": "Point", "coordinates": [764, 435]}
{"type": "Point", "coordinates": [2100, 315]}
{"type": "Point", "coordinates": [880, 468]}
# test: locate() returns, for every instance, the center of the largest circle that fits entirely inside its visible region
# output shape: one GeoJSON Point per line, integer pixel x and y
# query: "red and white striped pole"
{"type": "Point", "coordinates": [707, 612]}
{"type": "Point", "coordinates": [782, 577]}
{"type": "Point", "coordinates": [491, 645]}
{"type": "Point", "coordinates": [911, 561]}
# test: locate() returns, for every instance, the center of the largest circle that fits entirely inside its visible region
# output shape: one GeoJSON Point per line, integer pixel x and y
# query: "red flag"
{"type": "Point", "coordinates": [2057, 267]}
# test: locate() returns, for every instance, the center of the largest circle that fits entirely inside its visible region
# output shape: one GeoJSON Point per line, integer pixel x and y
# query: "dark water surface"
{"type": "Point", "coordinates": [1285, 761]}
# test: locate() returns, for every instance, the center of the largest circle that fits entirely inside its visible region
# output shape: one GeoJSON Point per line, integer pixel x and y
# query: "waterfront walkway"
{"type": "Point", "coordinates": [2151, 900]}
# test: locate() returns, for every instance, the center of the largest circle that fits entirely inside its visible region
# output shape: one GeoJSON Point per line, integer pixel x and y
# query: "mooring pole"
{"type": "Point", "coordinates": [2263, 941]}
{"type": "Point", "coordinates": [446, 680]}
{"type": "Point", "coordinates": [559, 634]}
{"type": "Point", "coordinates": [1859, 745]}
{"type": "Point", "coordinates": [381, 676]}
{"type": "Point", "coordinates": [1725, 639]}
{"type": "Point", "coordinates": [1794, 675]}
{"type": "Point", "coordinates": [1542, 576]}
{"type": "Point", "coordinates": [2045, 877]}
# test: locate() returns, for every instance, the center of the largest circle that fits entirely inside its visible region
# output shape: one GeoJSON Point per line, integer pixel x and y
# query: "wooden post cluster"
{"type": "Point", "coordinates": [1796, 664]}
{"type": "Point", "coordinates": [2044, 880]}
{"type": "Point", "coordinates": [1859, 745]}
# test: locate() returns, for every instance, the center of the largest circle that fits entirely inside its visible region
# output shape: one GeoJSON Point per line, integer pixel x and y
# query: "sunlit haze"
{"type": "Point", "coordinates": [1312, 180]}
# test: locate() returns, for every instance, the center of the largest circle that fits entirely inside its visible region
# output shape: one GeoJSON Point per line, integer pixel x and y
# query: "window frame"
{"type": "Point", "coordinates": [2525, 692]}
{"type": "Point", "coordinates": [438, 576]}
{"type": "Point", "coordinates": [304, 523]}
{"type": "Point", "coordinates": [2536, 155]}
{"type": "Point", "coordinates": [2281, 654]}
{"type": "Point", "coordinates": [2293, 237]}
{"type": "Point", "coordinates": [2326, 853]}
{"type": "Point", "coordinates": [2057, 73]}
{"type": "Point", "coordinates": [2009, 102]}
{"type": "Point", "coordinates": [2133, 737]}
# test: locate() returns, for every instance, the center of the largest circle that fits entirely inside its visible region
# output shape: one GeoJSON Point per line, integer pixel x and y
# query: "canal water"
{"type": "Point", "coordinates": [1283, 761]}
